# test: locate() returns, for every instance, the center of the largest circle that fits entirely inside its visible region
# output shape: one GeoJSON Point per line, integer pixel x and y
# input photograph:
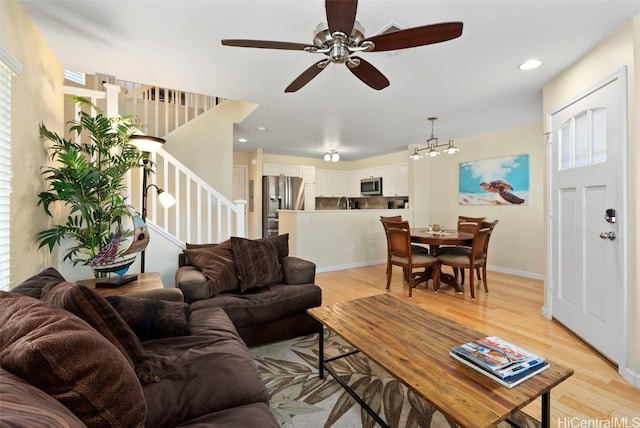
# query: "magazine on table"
{"type": "Point", "coordinates": [509, 381]}
{"type": "Point", "coordinates": [498, 357]}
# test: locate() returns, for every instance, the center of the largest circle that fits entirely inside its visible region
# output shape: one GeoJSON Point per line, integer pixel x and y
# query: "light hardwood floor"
{"type": "Point", "coordinates": [512, 310]}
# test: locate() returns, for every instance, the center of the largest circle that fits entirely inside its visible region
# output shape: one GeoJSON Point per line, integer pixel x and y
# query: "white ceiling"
{"type": "Point", "coordinates": [471, 84]}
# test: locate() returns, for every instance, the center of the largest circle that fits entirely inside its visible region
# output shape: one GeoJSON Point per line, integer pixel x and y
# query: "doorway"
{"type": "Point", "coordinates": [586, 281]}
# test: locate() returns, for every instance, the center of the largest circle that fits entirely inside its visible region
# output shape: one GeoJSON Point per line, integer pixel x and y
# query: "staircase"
{"type": "Point", "coordinates": [201, 214]}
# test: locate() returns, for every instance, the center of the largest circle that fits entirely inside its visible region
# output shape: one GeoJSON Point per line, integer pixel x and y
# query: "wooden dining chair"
{"type": "Point", "coordinates": [400, 254]}
{"type": "Point", "coordinates": [466, 225]}
{"type": "Point", "coordinates": [491, 226]}
{"type": "Point", "coordinates": [414, 247]}
{"type": "Point", "coordinates": [467, 250]}
{"type": "Point", "coordinates": [472, 259]}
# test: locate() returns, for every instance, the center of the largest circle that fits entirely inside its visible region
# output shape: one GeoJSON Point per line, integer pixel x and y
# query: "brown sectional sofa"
{"type": "Point", "coordinates": [264, 291]}
{"type": "Point", "coordinates": [69, 359]}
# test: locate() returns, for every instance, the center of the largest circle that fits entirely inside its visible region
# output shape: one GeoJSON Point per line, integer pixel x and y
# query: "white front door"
{"type": "Point", "coordinates": [586, 172]}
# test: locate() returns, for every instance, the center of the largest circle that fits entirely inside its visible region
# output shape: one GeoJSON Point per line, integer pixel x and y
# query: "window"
{"type": "Point", "coordinates": [583, 139]}
{"type": "Point", "coordinates": [8, 67]}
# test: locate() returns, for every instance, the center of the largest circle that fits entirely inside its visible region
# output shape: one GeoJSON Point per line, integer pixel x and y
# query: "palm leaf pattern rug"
{"type": "Point", "coordinates": [298, 398]}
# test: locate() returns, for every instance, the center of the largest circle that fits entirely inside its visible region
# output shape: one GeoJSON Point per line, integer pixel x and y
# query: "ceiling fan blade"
{"type": "Point", "coordinates": [264, 44]}
{"type": "Point", "coordinates": [369, 74]}
{"type": "Point", "coordinates": [417, 36]}
{"type": "Point", "coordinates": [341, 15]}
{"type": "Point", "coordinates": [306, 76]}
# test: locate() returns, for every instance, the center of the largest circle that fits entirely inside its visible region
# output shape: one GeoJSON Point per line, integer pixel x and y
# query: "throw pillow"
{"type": "Point", "coordinates": [282, 244]}
{"type": "Point", "coordinates": [151, 318]}
{"type": "Point", "coordinates": [216, 262]}
{"type": "Point", "coordinates": [33, 286]}
{"type": "Point", "coordinates": [25, 406]}
{"type": "Point", "coordinates": [62, 355]}
{"type": "Point", "coordinates": [85, 303]}
{"type": "Point", "coordinates": [256, 261]}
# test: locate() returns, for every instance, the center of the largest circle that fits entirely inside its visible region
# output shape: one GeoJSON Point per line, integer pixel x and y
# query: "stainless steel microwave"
{"type": "Point", "coordinates": [371, 186]}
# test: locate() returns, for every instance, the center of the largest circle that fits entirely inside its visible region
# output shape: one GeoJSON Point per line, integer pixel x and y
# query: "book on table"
{"type": "Point", "coordinates": [502, 361]}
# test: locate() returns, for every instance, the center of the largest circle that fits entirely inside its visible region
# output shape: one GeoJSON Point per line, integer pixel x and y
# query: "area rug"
{"type": "Point", "coordinates": [298, 398]}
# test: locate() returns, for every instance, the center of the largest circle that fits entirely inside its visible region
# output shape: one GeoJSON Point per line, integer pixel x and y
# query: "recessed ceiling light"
{"type": "Point", "coordinates": [242, 140]}
{"type": "Point", "coordinates": [262, 128]}
{"type": "Point", "coordinates": [530, 64]}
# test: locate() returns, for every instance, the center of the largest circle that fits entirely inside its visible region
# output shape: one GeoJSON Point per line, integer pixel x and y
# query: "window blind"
{"type": "Point", "coordinates": [8, 67]}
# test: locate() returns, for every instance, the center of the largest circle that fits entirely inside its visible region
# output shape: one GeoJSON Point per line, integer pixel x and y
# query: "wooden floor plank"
{"type": "Point", "coordinates": [511, 310]}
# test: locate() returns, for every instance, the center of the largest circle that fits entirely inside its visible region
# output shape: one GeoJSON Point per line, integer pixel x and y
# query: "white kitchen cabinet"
{"type": "Point", "coordinates": [278, 169]}
{"type": "Point", "coordinates": [395, 179]}
{"type": "Point", "coordinates": [340, 181]}
{"type": "Point", "coordinates": [308, 174]}
{"type": "Point", "coordinates": [402, 179]}
{"type": "Point", "coordinates": [331, 182]}
{"type": "Point", "coordinates": [354, 183]}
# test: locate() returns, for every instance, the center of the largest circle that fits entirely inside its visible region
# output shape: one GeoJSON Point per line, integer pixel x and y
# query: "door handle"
{"type": "Point", "coordinates": [608, 235]}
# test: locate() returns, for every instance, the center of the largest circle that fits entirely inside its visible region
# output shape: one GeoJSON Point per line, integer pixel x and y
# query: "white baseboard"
{"type": "Point", "coordinates": [631, 377]}
{"type": "Point", "coordinates": [350, 265]}
{"type": "Point", "coordinates": [525, 274]}
{"type": "Point", "coordinates": [378, 262]}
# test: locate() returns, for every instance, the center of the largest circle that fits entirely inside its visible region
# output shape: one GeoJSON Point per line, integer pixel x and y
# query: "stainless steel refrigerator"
{"type": "Point", "coordinates": [279, 193]}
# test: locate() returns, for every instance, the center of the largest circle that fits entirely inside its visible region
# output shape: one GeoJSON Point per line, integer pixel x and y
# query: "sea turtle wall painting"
{"type": "Point", "coordinates": [499, 181]}
{"type": "Point", "coordinates": [502, 188]}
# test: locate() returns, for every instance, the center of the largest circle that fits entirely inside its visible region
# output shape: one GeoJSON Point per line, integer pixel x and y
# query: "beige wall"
{"type": "Point", "coordinates": [435, 197]}
{"type": "Point", "coordinates": [434, 193]}
{"type": "Point", "coordinates": [622, 48]}
{"type": "Point", "coordinates": [37, 97]}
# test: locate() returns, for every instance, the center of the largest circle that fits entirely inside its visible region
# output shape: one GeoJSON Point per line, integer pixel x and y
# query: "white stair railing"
{"type": "Point", "coordinates": [163, 110]}
{"type": "Point", "coordinates": [201, 214]}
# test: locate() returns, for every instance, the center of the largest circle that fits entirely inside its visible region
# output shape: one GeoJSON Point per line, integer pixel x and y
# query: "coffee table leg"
{"type": "Point", "coordinates": [546, 409]}
{"type": "Point", "coordinates": [321, 352]}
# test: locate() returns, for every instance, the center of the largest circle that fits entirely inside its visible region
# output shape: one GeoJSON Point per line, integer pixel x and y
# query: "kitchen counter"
{"type": "Point", "coordinates": [338, 239]}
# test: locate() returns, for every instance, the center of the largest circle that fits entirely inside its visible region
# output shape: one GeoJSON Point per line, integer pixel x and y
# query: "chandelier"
{"type": "Point", "coordinates": [432, 144]}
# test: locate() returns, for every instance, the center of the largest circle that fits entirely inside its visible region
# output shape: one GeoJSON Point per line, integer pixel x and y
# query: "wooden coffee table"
{"type": "Point", "coordinates": [413, 345]}
{"type": "Point", "coordinates": [145, 281]}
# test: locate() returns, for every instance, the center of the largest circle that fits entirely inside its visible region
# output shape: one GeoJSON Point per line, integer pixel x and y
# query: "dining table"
{"type": "Point", "coordinates": [435, 239]}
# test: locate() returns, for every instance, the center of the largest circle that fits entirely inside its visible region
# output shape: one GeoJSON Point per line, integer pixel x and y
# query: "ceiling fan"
{"type": "Point", "coordinates": [341, 36]}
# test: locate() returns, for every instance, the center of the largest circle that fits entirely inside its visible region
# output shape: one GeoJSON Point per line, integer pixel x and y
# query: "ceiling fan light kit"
{"type": "Point", "coordinates": [341, 36]}
{"type": "Point", "coordinates": [432, 144]}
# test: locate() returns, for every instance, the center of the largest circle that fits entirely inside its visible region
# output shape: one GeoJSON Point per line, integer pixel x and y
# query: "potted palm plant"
{"type": "Point", "coordinates": [87, 177]}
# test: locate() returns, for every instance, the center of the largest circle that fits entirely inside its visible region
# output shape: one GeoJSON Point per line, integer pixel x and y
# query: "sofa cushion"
{"type": "Point", "coordinates": [262, 305]}
{"type": "Point", "coordinates": [33, 286]}
{"type": "Point", "coordinates": [151, 318]}
{"type": "Point", "coordinates": [25, 406]}
{"type": "Point", "coordinates": [201, 374]}
{"type": "Point", "coordinates": [217, 264]}
{"type": "Point", "coordinates": [62, 355]}
{"type": "Point", "coordinates": [85, 303]}
{"type": "Point", "coordinates": [257, 262]}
